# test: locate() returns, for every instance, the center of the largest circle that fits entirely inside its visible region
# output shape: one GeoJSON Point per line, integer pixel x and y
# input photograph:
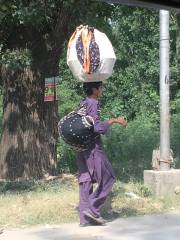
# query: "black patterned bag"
{"type": "Point", "coordinates": [77, 130]}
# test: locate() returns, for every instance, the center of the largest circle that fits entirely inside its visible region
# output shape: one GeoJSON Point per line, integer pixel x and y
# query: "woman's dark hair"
{"type": "Point", "coordinates": [88, 87]}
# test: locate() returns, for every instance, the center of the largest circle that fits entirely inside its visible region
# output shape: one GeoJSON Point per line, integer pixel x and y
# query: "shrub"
{"type": "Point", "coordinates": [130, 149]}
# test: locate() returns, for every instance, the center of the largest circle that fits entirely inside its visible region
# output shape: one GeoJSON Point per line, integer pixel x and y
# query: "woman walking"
{"type": "Point", "coordinates": [93, 164]}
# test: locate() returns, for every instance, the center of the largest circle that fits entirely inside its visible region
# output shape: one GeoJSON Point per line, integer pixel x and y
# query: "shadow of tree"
{"type": "Point", "coordinates": [17, 186]}
{"type": "Point", "coordinates": [43, 185]}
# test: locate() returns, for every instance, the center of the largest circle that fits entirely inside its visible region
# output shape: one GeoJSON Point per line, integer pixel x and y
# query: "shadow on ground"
{"type": "Point", "coordinates": [110, 213]}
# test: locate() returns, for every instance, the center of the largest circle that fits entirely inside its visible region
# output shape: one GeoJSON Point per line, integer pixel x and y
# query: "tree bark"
{"type": "Point", "coordinates": [29, 132]}
{"type": "Point", "coordinates": [24, 148]}
{"type": "Point", "coordinates": [46, 58]}
{"type": "Point", "coordinates": [51, 108]}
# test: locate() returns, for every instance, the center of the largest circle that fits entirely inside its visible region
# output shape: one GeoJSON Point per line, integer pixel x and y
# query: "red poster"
{"type": "Point", "coordinates": [51, 85]}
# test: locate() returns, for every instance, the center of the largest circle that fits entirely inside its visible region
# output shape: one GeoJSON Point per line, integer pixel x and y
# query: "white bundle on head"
{"type": "Point", "coordinates": [90, 55]}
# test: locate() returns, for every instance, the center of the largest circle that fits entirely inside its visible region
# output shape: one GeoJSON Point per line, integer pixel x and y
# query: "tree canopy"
{"type": "Point", "coordinates": [34, 34]}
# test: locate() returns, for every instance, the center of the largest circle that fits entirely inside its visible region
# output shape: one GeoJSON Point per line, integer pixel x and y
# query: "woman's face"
{"type": "Point", "coordinates": [98, 92]}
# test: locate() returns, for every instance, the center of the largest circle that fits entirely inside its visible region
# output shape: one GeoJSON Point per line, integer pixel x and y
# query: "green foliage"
{"type": "Point", "coordinates": [175, 138]}
{"type": "Point", "coordinates": [1, 109]}
{"type": "Point", "coordinates": [66, 158]}
{"type": "Point", "coordinates": [20, 19]}
{"type": "Point", "coordinates": [175, 128]}
{"type": "Point", "coordinates": [175, 104]}
{"type": "Point", "coordinates": [132, 91]}
{"type": "Point", "coordinates": [6, 187]}
{"type": "Point", "coordinates": [130, 149]}
{"type": "Point", "coordinates": [17, 58]}
{"type": "Point", "coordinates": [135, 81]}
{"type": "Point", "coordinates": [27, 26]}
{"type": "Point", "coordinates": [70, 90]}
{"type": "Point", "coordinates": [43, 14]}
{"type": "Point", "coordinates": [19, 187]}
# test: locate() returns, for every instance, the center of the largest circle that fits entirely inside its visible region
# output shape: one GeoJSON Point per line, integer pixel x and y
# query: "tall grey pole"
{"type": "Point", "coordinates": [164, 91]}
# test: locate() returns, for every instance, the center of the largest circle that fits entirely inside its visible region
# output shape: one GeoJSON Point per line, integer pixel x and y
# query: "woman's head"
{"type": "Point", "coordinates": [93, 89]}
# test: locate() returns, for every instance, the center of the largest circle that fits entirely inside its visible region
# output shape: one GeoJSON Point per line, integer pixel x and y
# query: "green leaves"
{"type": "Point", "coordinates": [132, 91]}
{"type": "Point", "coordinates": [18, 58]}
{"type": "Point", "coordinates": [130, 149]}
{"type": "Point", "coordinates": [136, 77]}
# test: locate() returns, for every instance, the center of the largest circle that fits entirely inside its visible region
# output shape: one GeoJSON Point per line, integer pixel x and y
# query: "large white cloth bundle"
{"type": "Point", "coordinates": [90, 55]}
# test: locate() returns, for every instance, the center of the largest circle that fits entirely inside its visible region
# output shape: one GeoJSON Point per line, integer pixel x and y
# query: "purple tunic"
{"type": "Point", "coordinates": [93, 166]}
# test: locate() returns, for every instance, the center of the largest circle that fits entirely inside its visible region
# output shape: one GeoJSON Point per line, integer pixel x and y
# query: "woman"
{"type": "Point", "coordinates": [93, 164]}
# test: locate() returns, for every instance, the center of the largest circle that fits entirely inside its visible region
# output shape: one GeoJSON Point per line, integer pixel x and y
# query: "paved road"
{"type": "Point", "coordinates": [156, 227]}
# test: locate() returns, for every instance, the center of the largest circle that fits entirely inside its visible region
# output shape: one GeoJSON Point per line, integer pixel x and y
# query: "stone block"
{"type": "Point", "coordinates": [162, 183]}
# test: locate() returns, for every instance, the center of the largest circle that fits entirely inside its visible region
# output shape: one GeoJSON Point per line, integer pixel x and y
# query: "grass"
{"type": "Point", "coordinates": [146, 204]}
{"type": "Point", "coordinates": [40, 204]}
{"type": "Point", "coordinates": [32, 203]}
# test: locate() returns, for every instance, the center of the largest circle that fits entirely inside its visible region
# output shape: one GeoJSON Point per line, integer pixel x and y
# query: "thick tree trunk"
{"type": "Point", "coordinates": [29, 133]}
{"type": "Point", "coordinates": [24, 148]}
{"type": "Point", "coordinates": [51, 108]}
{"type": "Point", "coordinates": [46, 56]}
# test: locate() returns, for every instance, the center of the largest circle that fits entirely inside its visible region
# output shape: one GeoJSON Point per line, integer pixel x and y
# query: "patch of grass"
{"type": "Point", "coordinates": [31, 203]}
{"type": "Point", "coordinates": [41, 203]}
{"type": "Point", "coordinates": [124, 206]}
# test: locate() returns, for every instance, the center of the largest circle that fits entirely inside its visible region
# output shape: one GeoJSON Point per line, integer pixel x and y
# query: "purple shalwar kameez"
{"type": "Point", "coordinates": [94, 167]}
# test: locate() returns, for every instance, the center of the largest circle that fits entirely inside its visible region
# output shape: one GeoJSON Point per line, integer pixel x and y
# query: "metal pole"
{"type": "Point", "coordinates": [164, 91]}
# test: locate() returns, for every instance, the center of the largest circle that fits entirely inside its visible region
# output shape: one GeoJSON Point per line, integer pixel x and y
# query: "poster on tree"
{"type": "Point", "coordinates": [51, 85]}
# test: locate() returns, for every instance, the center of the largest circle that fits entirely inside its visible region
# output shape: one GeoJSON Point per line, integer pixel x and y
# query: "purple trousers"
{"type": "Point", "coordinates": [94, 167]}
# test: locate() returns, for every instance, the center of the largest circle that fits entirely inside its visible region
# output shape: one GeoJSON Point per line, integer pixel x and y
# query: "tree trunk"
{"type": "Point", "coordinates": [51, 69]}
{"type": "Point", "coordinates": [29, 132]}
{"type": "Point", "coordinates": [46, 56]}
{"type": "Point", "coordinates": [24, 148]}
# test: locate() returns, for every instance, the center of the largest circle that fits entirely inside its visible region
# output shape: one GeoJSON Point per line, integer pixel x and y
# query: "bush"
{"type": "Point", "coordinates": [1, 110]}
{"type": "Point", "coordinates": [66, 158]}
{"type": "Point", "coordinates": [130, 149]}
{"type": "Point", "coordinates": [175, 138]}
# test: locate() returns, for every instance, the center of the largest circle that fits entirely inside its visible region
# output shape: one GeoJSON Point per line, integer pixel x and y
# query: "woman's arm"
{"type": "Point", "coordinates": [102, 127]}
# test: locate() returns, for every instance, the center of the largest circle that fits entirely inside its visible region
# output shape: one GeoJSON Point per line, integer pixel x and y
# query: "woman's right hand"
{"type": "Point", "coordinates": [121, 121]}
